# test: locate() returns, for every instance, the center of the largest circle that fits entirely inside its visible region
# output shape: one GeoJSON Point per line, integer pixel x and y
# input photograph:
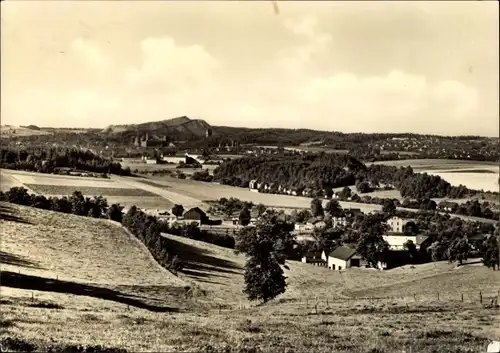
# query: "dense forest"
{"type": "Point", "coordinates": [322, 172]}
{"type": "Point", "coordinates": [46, 160]}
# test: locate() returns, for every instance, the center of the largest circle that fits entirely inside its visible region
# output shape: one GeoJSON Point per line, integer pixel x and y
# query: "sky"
{"type": "Point", "coordinates": [373, 66]}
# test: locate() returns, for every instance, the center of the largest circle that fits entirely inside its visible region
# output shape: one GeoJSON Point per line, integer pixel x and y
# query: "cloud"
{"type": "Point", "coordinates": [169, 65]}
{"type": "Point", "coordinates": [91, 53]}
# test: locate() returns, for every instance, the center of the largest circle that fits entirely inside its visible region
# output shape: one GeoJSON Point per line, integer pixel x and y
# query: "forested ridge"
{"type": "Point", "coordinates": [46, 160]}
{"type": "Point", "coordinates": [321, 172]}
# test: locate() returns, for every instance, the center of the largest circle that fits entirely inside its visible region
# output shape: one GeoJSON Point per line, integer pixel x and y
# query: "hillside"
{"type": "Point", "coordinates": [218, 270]}
{"type": "Point", "coordinates": [93, 256]}
{"type": "Point", "coordinates": [59, 269]}
{"type": "Point", "coordinates": [21, 131]}
{"type": "Point", "coordinates": [181, 127]}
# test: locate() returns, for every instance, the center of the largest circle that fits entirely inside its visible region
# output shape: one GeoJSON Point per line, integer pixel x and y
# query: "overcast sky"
{"type": "Point", "coordinates": [427, 67]}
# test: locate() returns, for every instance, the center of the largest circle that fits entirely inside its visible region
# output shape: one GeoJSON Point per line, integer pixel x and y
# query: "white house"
{"type": "Point", "coordinates": [253, 184]}
{"type": "Point", "coordinates": [315, 223]}
{"type": "Point", "coordinates": [339, 221]}
{"type": "Point", "coordinates": [397, 224]}
{"type": "Point", "coordinates": [317, 258]}
{"type": "Point", "coordinates": [397, 240]}
{"type": "Point", "coordinates": [342, 258]}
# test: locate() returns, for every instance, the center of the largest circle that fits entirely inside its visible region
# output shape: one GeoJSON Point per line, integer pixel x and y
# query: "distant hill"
{"type": "Point", "coordinates": [16, 131]}
{"type": "Point", "coordinates": [180, 127]}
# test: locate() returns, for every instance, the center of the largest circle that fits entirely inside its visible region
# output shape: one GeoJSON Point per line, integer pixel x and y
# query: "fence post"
{"type": "Point", "coordinates": [462, 295]}
{"type": "Point", "coordinates": [32, 297]}
{"type": "Point", "coordinates": [438, 296]}
{"type": "Point", "coordinates": [480, 297]}
{"type": "Point", "coordinates": [327, 303]}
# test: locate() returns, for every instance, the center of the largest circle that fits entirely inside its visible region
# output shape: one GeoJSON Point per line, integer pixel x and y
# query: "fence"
{"type": "Point", "coordinates": [487, 299]}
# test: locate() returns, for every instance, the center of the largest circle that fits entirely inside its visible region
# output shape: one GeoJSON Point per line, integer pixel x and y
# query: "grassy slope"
{"type": "Point", "coordinates": [88, 250]}
{"type": "Point", "coordinates": [78, 249]}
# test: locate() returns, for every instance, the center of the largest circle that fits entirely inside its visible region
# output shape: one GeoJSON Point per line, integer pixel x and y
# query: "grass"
{"type": "Point", "coordinates": [90, 274]}
{"type": "Point", "coordinates": [88, 190]}
{"type": "Point", "coordinates": [54, 179]}
{"type": "Point", "coordinates": [7, 182]}
{"type": "Point", "coordinates": [77, 248]}
{"type": "Point", "coordinates": [198, 192]}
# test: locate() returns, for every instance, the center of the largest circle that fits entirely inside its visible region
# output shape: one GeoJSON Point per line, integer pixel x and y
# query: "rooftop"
{"type": "Point", "coordinates": [343, 253]}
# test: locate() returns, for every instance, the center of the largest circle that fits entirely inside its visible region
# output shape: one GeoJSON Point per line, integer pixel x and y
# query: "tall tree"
{"type": "Point", "coordinates": [334, 209]}
{"type": "Point", "coordinates": [490, 251]}
{"type": "Point", "coordinates": [388, 206]}
{"type": "Point", "coordinates": [317, 208]}
{"type": "Point", "coordinates": [458, 250]}
{"type": "Point", "coordinates": [177, 210]}
{"type": "Point", "coordinates": [265, 246]}
{"type": "Point", "coordinates": [244, 216]}
{"type": "Point", "coordinates": [115, 212]}
{"type": "Point", "coordinates": [371, 245]}
{"type": "Point", "coordinates": [261, 208]}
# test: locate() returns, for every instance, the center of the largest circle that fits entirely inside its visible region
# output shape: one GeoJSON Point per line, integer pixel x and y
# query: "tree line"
{"type": "Point", "coordinates": [47, 160]}
{"type": "Point", "coordinates": [317, 175]}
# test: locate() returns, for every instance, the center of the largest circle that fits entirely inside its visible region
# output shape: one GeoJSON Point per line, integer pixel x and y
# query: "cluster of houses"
{"type": "Point", "coordinates": [256, 186]}
{"type": "Point", "coordinates": [344, 257]}
{"type": "Point", "coordinates": [314, 223]}
{"type": "Point", "coordinates": [193, 215]}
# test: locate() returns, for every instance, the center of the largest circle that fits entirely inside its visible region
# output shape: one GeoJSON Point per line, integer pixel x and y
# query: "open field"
{"type": "Point", "coordinates": [9, 130]}
{"type": "Point", "coordinates": [144, 202]}
{"type": "Point", "coordinates": [322, 310]}
{"type": "Point", "coordinates": [203, 191]}
{"type": "Point", "coordinates": [88, 190]}
{"type": "Point", "coordinates": [476, 181]}
{"type": "Point", "coordinates": [444, 164]}
{"type": "Point", "coordinates": [7, 182]}
{"type": "Point", "coordinates": [59, 180]}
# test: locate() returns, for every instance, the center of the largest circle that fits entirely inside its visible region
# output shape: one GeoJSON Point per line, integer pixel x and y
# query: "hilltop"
{"type": "Point", "coordinates": [181, 126]}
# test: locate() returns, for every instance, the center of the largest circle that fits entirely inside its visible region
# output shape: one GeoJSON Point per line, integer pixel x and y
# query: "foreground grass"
{"type": "Point", "coordinates": [91, 274]}
{"type": "Point", "coordinates": [358, 327]}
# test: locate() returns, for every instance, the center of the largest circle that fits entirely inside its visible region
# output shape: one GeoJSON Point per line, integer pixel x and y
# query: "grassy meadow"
{"type": "Point", "coordinates": [59, 269]}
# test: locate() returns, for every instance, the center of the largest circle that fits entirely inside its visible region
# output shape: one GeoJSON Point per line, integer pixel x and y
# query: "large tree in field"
{"type": "Point", "coordinates": [371, 244]}
{"type": "Point", "coordinates": [265, 246]}
{"type": "Point", "coordinates": [490, 251]}
{"type": "Point", "coordinates": [458, 250]}
{"type": "Point", "coordinates": [317, 208]}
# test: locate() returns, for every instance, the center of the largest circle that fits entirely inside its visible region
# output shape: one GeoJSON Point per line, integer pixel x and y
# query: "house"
{"type": "Point", "coordinates": [315, 223]}
{"type": "Point", "coordinates": [339, 221]}
{"type": "Point", "coordinates": [396, 241]}
{"type": "Point", "coordinates": [195, 214]}
{"type": "Point", "coordinates": [342, 258]}
{"type": "Point", "coordinates": [253, 184]}
{"type": "Point", "coordinates": [397, 224]}
{"type": "Point", "coordinates": [316, 258]}
{"type": "Point", "coordinates": [353, 211]}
